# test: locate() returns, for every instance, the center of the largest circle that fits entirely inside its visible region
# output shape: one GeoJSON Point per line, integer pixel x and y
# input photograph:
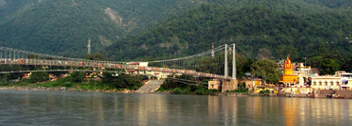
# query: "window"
{"type": "Point", "coordinates": [331, 83]}
{"type": "Point", "coordinates": [320, 84]}
{"type": "Point", "coordinates": [326, 83]}
{"type": "Point", "coordinates": [315, 83]}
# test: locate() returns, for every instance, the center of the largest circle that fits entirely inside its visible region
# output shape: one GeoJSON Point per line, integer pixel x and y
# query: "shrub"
{"type": "Point", "coordinates": [186, 91]}
{"type": "Point", "coordinates": [67, 84]}
{"type": "Point", "coordinates": [177, 91]}
{"type": "Point", "coordinates": [214, 90]}
{"type": "Point", "coordinates": [135, 87]}
{"type": "Point", "coordinates": [38, 77]}
{"type": "Point", "coordinates": [201, 92]}
{"type": "Point", "coordinates": [264, 91]}
{"type": "Point", "coordinates": [77, 76]}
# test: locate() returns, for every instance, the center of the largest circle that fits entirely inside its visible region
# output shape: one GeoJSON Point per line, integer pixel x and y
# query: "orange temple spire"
{"type": "Point", "coordinates": [288, 67]}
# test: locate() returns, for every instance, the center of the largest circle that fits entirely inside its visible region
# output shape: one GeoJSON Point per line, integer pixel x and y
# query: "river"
{"type": "Point", "coordinates": [96, 108]}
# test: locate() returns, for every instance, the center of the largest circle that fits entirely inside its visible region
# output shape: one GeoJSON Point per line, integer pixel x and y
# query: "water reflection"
{"type": "Point", "coordinates": [92, 108]}
{"type": "Point", "coordinates": [223, 107]}
{"type": "Point", "coordinates": [151, 106]}
{"type": "Point", "coordinates": [279, 111]}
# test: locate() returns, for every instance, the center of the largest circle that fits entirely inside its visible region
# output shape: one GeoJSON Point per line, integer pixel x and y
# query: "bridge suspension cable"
{"type": "Point", "coordinates": [208, 63]}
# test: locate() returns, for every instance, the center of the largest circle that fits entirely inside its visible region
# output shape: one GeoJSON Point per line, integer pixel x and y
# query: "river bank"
{"type": "Point", "coordinates": [32, 88]}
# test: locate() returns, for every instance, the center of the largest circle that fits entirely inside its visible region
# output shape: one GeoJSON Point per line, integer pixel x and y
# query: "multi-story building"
{"type": "Point", "coordinates": [326, 83]}
{"type": "Point", "coordinates": [346, 79]}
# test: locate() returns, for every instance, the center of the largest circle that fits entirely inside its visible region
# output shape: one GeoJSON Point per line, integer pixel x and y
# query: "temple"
{"type": "Point", "coordinates": [288, 77]}
{"type": "Point", "coordinates": [299, 80]}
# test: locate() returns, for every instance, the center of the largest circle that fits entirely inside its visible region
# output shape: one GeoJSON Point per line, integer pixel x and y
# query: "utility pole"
{"type": "Point", "coordinates": [89, 47]}
{"type": "Point", "coordinates": [305, 61]}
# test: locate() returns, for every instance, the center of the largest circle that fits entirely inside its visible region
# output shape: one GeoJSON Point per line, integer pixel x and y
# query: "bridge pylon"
{"type": "Point", "coordinates": [234, 62]}
{"type": "Point", "coordinates": [226, 68]}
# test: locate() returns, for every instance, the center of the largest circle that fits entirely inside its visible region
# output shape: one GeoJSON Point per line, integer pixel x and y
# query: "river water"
{"type": "Point", "coordinates": [95, 108]}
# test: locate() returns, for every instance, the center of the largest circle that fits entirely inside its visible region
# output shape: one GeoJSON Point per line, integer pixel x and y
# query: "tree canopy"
{"type": "Point", "coordinates": [266, 69]}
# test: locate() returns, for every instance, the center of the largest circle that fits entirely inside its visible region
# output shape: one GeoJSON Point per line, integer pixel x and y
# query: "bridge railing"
{"type": "Point", "coordinates": [182, 65]}
{"type": "Point", "coordinates": [101, 66]}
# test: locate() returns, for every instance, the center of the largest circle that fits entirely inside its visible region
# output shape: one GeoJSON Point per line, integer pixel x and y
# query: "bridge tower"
{"type": "Point", "coordinates": [228, 85]}
{"type": "Point", "coordinates": [226, 68]}
{"type": "Point", "coordinates": [89, 47]}
{"type": "Point", "coordinates": [233, 62]}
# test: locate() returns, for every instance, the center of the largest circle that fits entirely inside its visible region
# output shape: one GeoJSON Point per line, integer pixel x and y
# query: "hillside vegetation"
{"type": "Point", "coordinates": [259, 31]}
{"type": "Point", "coordinates": [62, 27]}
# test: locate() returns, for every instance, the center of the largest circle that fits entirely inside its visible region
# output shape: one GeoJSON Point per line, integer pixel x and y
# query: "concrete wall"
{"type": "Point", "coordinates": [298, 90]}
{"type": "Point", "coordinates": [229, 85]}
{"type": "Point", "coordinates": [249, 83]}
{"type": "Point", "coordinates": [214, 85]}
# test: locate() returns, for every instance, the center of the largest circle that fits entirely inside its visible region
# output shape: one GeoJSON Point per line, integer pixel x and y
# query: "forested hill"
{"type": "Point", "coordinates": [62, 27]}
{"type": "Point", "coordinates": [261, 32]}
{"type": "Point", "coordinates": [345, 4]}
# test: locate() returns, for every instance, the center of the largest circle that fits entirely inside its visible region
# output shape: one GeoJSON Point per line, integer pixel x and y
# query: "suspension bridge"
{"type": "Point", "coordinates": [213, 63]}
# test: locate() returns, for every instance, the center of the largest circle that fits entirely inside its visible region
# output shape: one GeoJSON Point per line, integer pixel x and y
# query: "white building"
{"type": "Point", "coordinates": [345, 76]}
{"type": "Point", "coordinates": [346, 79]}
{"type": "Point", "coordinates": [326, 83]}
{"type": "Point", "coordinates": [347, 85]}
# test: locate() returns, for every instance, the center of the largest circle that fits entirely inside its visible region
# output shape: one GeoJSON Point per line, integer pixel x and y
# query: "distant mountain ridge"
{"type": "Point", "coordinates": [62, 27]}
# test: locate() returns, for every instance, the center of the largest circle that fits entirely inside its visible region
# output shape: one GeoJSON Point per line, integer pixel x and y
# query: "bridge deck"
{"type": "Point", "coordinates": [101, 66]}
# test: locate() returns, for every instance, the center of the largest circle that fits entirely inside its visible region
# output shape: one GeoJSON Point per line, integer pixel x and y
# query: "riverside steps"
{"type": "Point", "coordinates": [150, 86]}
{"type": "Point", "coordinates": [324, 93]}
{"type": "Point", "coordinates": [343, 94]}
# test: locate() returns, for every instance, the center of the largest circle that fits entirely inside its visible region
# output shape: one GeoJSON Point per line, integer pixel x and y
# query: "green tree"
{"type": "Point", "coordinates": [347, 65]}
{"type": "Point", "coordinates": [328, 66]}
{"type": "Point", "coordinates": [266, 69]}
{"type": "Point", "coordinates": [287, 50]}
{"type": "Point", "coordinates": [38, 77]}
{"type": "Point", "coordinates": [107, 78]}
{"type": "Point", "coordinates": [315, 61]}
{"type": "Point", "coordinates": [77, 76]}
{"type": "Point", "coordinates": [4, 79]}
